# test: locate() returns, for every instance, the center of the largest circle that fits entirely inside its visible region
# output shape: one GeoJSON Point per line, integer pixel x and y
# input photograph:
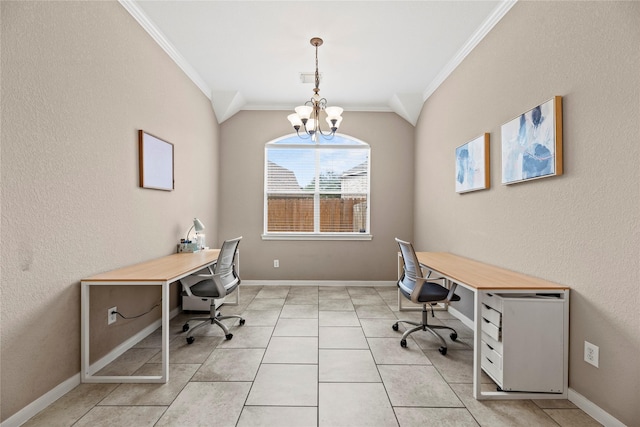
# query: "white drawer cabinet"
{"type": "Point", "coordinates": [522, 343]}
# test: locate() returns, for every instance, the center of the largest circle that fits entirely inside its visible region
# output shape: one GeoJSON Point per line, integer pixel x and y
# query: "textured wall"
{"type": "Point", "coordinates": [581, 229]}
{"type": "Point", "coordinates": [241, 211]}
{"type": "Point", "coordinates": [78, 80]}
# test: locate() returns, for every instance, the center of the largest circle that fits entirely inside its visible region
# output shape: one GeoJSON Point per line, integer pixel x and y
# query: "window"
{"type": "Point", "coordinates": [316, 190]}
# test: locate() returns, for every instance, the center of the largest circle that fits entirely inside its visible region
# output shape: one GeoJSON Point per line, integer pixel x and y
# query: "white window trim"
{"type": "Point", "coordinates": [317, 236]}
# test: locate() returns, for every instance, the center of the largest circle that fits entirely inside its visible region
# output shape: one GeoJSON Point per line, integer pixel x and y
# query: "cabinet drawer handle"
{"type": "Point", "coordinates": [489, 360]}
{"type": "Point", "coordinates": [490, 348]}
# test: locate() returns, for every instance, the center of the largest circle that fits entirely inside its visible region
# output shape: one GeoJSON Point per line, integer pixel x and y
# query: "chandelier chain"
{"type": "Point", "coordinates": [317, 89]}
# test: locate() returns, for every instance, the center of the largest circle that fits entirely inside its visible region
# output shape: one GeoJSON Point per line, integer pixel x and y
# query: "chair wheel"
{"type": "Point", "coordinates": [395, 326]}
{"type": "Point", "coordinates": [453, 336]}
{"type": "Point", "coordinates": [185, 327]}
{"type": "Point", "coordinates": [443, 350]}
{"type": "Point", "coordinates": [241, 322]}
{"type": "Point", "coordinates": [403, 343]}
{"type": "Point", "coordinates": [229, 336]}
{"type": "Point", "coordinates": [190, 340]}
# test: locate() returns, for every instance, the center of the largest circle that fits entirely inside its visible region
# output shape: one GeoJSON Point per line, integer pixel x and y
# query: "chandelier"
{"type": "Point", "coordinates": [307, 116]}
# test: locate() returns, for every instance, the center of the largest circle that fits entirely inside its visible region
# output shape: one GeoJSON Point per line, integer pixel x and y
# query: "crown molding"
{"type": "Point", "coordinates": [226, 103]}
{"type": "Point", "coordinates": [407, 105]}
{"type": "Point", "coordinates": [157, 35]}
{"type": "Point", "coordinates": [495, 17]}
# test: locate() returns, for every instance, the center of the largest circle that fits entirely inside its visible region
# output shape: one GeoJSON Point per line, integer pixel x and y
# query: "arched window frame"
{"type": "Point", "coordinates": [354, 185]}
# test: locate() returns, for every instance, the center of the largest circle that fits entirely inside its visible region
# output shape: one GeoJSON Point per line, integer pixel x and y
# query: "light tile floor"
{"type": "Point", "coordinates": [307, 356]}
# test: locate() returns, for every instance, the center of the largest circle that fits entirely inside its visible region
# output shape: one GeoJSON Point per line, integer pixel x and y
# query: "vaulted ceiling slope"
{"type": "Point", "coordinates": [376, 56]}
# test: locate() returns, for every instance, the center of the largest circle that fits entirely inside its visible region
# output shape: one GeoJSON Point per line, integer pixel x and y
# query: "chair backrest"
{"type": "Point", "coordinates": [225, 272]}
{"type": "Point", "coordinates": [412, 268]}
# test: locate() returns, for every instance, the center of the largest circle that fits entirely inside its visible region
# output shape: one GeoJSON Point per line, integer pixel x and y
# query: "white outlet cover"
{"type": "Point", "coordinates": [111, 318]}
{"type": "Point", "coordinates": [591, 353]}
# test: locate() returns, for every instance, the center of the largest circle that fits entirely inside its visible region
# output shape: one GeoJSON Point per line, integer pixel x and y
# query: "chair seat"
{"type": "Point", "coordinates": [430, 292]}
{"type": "Point", "coordinates": [207, 289]}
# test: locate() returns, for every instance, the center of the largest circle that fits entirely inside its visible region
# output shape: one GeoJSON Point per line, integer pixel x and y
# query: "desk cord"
{"type": "Point", "coordinates": [139, 315]}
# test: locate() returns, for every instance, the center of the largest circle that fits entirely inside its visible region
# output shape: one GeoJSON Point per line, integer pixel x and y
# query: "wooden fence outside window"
{"type": "Point", "coordinates": [337, 215]}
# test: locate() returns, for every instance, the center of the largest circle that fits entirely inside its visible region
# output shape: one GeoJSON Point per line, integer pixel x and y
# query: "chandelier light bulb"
{"type": "Point", "coordinates": [304, 112]}
{"type": "Point", "coordinates": [334, 123]}
{"type": "Point", "coordinates": [311, 126]}
{"type": "Point", "coordinates": [333, 112]}
{"type": "Point", "coordinates": [294, 119]}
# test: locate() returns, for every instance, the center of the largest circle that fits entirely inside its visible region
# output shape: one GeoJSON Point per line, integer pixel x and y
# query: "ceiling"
{"type": "Point", "coordinates": [376, 56]}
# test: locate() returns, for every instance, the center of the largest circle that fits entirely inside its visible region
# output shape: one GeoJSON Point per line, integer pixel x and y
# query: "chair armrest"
{"type": "Point", "coordinates": [420, 282]}
{"type": "Point", "coordinates": [186, 289]}
{"type": "Point", "coordinates": [428, 276]}
{"type": "Point", "coordinates": [222, 291]}
{"type": "Point", "coordinates": [192, 279]}
{"type": "Point", "coordinates": [452, 290]}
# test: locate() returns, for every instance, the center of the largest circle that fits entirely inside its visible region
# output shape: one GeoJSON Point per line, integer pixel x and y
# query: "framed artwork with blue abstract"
{"type": "Point", "coordinates": [472, 165]}
{"type": "Point", "coordinates": [532, 143]}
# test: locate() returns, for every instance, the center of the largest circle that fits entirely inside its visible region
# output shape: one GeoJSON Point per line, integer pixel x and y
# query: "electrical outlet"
{"type": "Point", "coordinates": [276, 263]}
{"type": "Point", "coordinates": [591, 353]}
{"type": "Point", "coordinates": [111, 315]}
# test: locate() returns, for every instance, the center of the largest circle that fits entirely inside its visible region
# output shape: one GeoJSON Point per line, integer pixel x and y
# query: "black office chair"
{"type": "Point", "coordinates": [221, 282]}
{"type": "Point", "coordinates": [414, 286]}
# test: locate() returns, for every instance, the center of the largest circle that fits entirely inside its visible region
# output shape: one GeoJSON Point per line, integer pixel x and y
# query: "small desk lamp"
{"type": "Point", "coordinates": [198, 225]}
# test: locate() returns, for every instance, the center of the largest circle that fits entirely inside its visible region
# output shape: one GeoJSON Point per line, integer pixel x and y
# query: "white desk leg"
{"type": "Point", "coordinates": [86, 374]}
{"type": "Point", "coordinates": [84, 331]}
{"type": "Point", "coordinates": [477, 356]}
{"type": "Point", "coordinates": [165, 332]}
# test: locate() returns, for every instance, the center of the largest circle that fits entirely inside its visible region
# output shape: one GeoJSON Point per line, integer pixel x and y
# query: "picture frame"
{"type": "Point", "coordinates": [155, 162]}
{"type": "Point", "coordinates": [472, 165]}
{"type": "Point", "coordinates": [532, 143]}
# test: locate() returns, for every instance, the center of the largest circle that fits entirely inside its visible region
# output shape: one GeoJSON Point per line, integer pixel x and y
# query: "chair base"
{"type": "Point", "coordinates": [214, 318]}
{"type": "Point", "coordinates": [424, 326]}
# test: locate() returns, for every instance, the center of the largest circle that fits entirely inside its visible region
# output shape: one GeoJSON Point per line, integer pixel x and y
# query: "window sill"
{"type": "Point", "coordinates": [311, 236]}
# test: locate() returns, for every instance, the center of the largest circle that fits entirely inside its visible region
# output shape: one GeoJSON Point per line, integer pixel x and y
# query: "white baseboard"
{"type": "Point", "coordinates": [63, 388]}
{"type": "Point", "coordinates": [318, 283]}
{"type": "Point", "coordinates": [593, 410]}
{"type": "Point", "coordinates": [461, 317]}
{"type": "Point", "coordinates": [42, 402]}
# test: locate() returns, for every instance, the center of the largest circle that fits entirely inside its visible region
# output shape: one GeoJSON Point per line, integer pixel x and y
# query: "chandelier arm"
{"type": "Point", "coordinates": [327, 135]}
{"type": "Point", "coordinates": [301, 136]}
